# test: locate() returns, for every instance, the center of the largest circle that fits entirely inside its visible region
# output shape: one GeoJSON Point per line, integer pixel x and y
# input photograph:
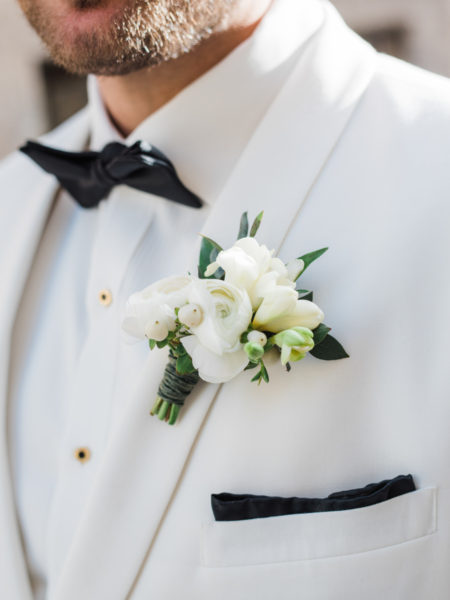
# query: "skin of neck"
{"type": "Point", "coordinates": [130, 99]}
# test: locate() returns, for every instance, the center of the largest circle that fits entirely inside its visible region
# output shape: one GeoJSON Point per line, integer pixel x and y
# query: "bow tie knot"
{"type": "Point", "coordinates": [100, 168]}
{"type": "Point", "coordinates": [90, 176]}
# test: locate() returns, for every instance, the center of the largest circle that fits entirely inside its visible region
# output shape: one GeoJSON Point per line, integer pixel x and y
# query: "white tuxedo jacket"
{"type": "Point", "coordinates": [353, 154]}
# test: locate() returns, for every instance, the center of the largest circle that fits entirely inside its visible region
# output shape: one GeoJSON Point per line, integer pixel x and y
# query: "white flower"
{"type": "Point", "coordinates": [294, 343]}
{"type": "Point", "coordinates": [214, 345]}
{"type": "Point", "coordinates": [226, 314]}
{"type": "Point", "coordinates": [151, 311]}
{"type": "Point", "coordinates": [249, 265]}
{"type": "Point", "coordinates": [243, 263]}
{"type": "Point", "coordinates": [295, 268]}
{"type": "Point", "coordinates": [281, 309]}
{"type": "Point", "coordinates": [215, 368]}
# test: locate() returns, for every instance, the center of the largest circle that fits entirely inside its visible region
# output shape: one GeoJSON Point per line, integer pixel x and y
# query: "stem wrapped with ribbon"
{"type": "Point", "coordinates": [173, 391]}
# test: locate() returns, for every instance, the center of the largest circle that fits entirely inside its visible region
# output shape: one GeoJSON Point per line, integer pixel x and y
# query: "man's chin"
{"type": "Point", "coordinates": [83, 36]}
{"type": "Point", "coordinates": [116, 37]}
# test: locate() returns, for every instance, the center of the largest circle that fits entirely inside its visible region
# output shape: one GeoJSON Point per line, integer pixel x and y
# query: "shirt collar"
{"type": "Point", "coordinates": [206, 127]}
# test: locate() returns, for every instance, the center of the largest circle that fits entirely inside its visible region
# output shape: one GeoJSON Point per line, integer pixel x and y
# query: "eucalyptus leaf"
{"type": "Point", "coordinates": [329, 349]}
{"type": "Point", "coordinates": [209, 250]}
{"type": "Point", "coordinates": [256, 224]}
{"type": "Point", "coordinates": [243, 226]}
{"type": "Point", "coordinates": [320, 333]}
{"type": "Point", "coordinates": [310, 258]}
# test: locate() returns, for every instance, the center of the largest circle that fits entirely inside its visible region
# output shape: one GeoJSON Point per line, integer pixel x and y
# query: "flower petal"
{"type": "Point", "coordinates": [306, 314]}
{"type": "Point", "coordinates": [212, 367]}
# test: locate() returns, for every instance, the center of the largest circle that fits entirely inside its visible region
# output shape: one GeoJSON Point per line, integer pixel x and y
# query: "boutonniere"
{"type": "Point", "coordinates": [243, 304]}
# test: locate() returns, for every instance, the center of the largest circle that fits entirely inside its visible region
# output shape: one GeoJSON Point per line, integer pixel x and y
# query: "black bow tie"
{"type": "Point", "coordinates": [90, 176]}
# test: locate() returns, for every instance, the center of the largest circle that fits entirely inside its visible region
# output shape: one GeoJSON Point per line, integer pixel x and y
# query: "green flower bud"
{"type": "Point", "coordinates": [254, 351]}
{"type": "Point", "coordinates": [294, 343]}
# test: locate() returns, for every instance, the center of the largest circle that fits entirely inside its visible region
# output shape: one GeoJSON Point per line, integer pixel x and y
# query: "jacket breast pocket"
{"type": "Point", "coordinates": [312, 536]}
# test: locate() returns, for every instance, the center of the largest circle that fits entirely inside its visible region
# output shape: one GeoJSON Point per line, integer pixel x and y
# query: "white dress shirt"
{"type": "Point", "coordinates": [68, 321]}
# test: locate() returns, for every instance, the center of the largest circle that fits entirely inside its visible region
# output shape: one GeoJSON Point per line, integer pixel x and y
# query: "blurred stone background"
{"type": "Point", "coordinates": [35, 95]}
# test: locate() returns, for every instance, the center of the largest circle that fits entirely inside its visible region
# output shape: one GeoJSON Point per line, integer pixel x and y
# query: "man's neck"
{"type": "Point", "coordinates": [131, 98]}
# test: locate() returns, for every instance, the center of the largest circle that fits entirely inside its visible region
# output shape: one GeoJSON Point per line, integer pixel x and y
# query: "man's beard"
{"type": "Point", "coordinates": [140, 34]}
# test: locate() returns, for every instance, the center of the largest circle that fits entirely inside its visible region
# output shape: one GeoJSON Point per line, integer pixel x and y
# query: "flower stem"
{"type": "Point", "coordinates": [162, 412]}
{"type": "Point", "coordinates": [174, 410]}
{"type": "Point", "coordinates": [156, 406]}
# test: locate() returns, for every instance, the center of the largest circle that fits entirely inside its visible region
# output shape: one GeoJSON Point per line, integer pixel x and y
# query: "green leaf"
{"type": "Point", "coordinates": [152, 344]}
{"type": "Point", "coordinates": [244, 335]}
{"type": "Point", "coordinates": [320, 333]}
{"type": "Point", "coordinates": [310, 258]}
{"type": "Point", "coordinates": [257, 377]}
{"type": "Point", "coordinates": [329, 349]}
{"type": "Point", "coordinates": [264, 373]}
{"type": "Point", "coordinates": [243, 226]}
{"type": "Point", "coordinates": [251, 365]}
{"type": "Point", "coordinates": [162, 344]}
{"type": "Point", "coordinates": [184, 365]}
{"type": "Point", "coordinates": [256, 224]}
{"type": "Point", "coordinates": [308, 296]}
{"type": "Point", "coordinates": [208, 254]}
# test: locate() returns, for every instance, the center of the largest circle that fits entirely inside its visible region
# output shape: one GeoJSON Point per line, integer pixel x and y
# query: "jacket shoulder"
{"type": "Point", "coordinates": [410, 91]}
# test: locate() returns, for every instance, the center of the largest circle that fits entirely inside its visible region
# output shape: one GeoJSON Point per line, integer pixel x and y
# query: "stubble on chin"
{"type": "Point", "coordinates": [141, 34]}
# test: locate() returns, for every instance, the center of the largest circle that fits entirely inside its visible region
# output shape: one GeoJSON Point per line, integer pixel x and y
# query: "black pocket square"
{"type": "Point", "coordinates": [236, 507]}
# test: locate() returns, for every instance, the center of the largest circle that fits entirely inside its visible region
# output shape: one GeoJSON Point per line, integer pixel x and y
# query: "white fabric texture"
{"type": "Point", "coordinates": [362, 145]}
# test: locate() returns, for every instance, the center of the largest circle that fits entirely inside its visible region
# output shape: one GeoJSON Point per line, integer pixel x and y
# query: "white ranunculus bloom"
{"type": "Point", "coordinates": [226, 314]}
{"type": "Point", "coordinates": [152, 310]}
{"type": "Point", "coordinates": [212, 367]}
{"type": "Point", "coordinates": [215, 346]}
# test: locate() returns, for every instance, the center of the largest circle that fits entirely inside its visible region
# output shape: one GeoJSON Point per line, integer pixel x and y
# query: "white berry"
{"type": "Point", "coordinates": [257, 337]}
{"type": "Point", "coordinates": [157, 330]}
{"type": "Point", "coordinates": [190, 315]}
